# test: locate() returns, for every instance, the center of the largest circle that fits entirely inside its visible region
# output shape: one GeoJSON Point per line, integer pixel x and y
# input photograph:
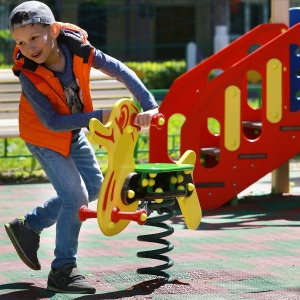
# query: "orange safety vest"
{"type": "Point", "coordinates": [31, 128]}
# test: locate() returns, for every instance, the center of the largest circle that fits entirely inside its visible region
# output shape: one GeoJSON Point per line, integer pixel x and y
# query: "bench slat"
{"type": "Point", "coordinates": [7, 76]}
{"type": "Point", "coordinates": [8, 88]}
{"type": "Point", "coordinates": [14, 87]}
{"type": "Point", "coordinates": [8, 115]}
{"type": "Point", "coordinates": [14, 98]}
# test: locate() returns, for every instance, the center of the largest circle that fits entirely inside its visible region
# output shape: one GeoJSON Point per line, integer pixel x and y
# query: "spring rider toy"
{"type": "Point", "coordinates": [133, 192]}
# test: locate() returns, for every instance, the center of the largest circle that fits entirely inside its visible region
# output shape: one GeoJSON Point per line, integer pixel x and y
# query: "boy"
{"type": "Point", "coordinates": [53, 61]}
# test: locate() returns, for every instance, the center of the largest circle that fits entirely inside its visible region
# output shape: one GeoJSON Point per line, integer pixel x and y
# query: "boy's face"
{"type": "Point", "coordinates": [36, 42]}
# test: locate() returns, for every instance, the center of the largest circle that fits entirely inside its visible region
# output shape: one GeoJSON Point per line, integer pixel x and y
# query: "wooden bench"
{"type": "Point", "coordinates": [105, 92]}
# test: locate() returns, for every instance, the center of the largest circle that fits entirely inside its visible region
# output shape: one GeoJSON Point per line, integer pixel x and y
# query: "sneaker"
{"type": "Point", "coordinates": [26, 242]}
{"type": "Point", "coordinates": [68, 279]}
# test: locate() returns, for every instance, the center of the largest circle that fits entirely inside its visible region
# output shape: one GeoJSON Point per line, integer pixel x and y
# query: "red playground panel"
{"type": "Point", "coordinates": [252, 142]}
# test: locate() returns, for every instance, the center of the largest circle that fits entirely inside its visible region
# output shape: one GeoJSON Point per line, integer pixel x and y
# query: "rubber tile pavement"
{"type": "Point", "coordinates": [248, 251]}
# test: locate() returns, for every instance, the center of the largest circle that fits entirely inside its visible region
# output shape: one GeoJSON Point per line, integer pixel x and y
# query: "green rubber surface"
{"type": "Point", "coordinates": [248, 251]}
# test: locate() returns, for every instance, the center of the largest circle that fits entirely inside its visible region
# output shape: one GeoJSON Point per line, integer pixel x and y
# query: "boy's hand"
{"type": "Point", "coordinates": [143, 119]}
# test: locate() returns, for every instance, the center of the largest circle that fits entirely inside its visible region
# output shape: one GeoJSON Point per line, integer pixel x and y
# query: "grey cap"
{"type": "Point", "coordinates": [30, 12]}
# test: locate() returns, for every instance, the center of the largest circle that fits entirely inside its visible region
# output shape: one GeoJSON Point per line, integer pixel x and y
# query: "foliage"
{"type": "Point", "coordinates": [155, 75]}
{"type": "Point", "coordinates": [16, 168]}
{"type": "Point", "coordinates": [5, 35]}
{"type": "Point", "coordinates": [7, 45]}
{"type": "Point", "coordinates": [158, 75]}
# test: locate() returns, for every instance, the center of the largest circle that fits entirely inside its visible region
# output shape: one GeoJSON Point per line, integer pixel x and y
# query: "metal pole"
{"type": "Point", "coordinates": [280, 176]}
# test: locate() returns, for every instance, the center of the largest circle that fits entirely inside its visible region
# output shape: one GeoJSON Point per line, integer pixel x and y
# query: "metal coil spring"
{"type": "Point", "coordinates": [164, 214]}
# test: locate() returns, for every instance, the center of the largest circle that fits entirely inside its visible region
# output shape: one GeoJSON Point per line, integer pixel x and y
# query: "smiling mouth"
{"type": "Point", "coordinates": [36, 55]}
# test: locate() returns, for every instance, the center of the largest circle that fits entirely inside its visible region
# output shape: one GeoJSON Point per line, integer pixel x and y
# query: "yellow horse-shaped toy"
{"type": "Point", "coordinates": [126, 184]}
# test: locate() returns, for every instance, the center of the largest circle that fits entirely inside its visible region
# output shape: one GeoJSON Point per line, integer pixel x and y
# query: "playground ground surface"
{"type": "Point", "coordinates": [248, 251]}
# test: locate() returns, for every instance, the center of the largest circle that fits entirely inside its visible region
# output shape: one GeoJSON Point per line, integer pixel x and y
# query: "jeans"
{"type": "Point", "coordinates": [77, 180]}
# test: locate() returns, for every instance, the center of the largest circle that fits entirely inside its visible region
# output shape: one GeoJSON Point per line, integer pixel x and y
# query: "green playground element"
{"type": "Point", "coordinates": [158, 181]}
{"type": "Point", "coordinates": [162, 167]}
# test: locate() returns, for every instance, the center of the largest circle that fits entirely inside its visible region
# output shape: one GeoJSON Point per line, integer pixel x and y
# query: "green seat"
{"type": "Point", "coordinates": [162, 167]}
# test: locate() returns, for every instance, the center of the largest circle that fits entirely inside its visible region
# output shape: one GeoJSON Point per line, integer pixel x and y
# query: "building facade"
{"type": "Point", "coordinates": [139, 30]}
